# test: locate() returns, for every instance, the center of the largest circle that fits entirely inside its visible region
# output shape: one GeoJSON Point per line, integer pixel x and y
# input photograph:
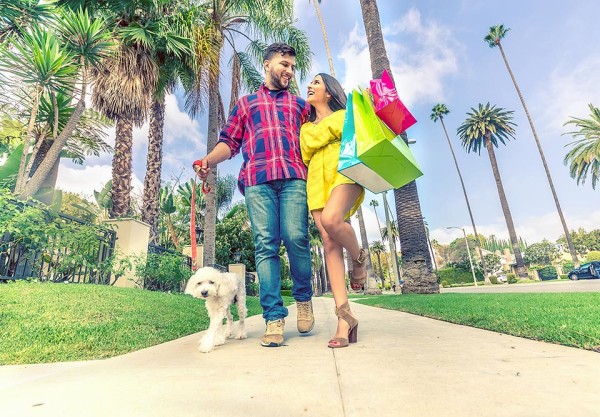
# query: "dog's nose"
{"type": "Point", "coordinates": [204, 293]}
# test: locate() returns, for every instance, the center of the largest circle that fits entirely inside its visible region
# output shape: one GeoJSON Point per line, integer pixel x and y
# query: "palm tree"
{"type": "Point", "coordinates": [377, 248]}
{"type": "Point", "coordinates": [369, 285]}
{"type": "Point", "coordinates": [173, 53]}
{"type": "Point", "coordinates": [322, 23]}
{"type": "Point", "coordinates": [485, 127]}
{"type": "Point", "coordinates": [87, 138]}
{"type": "Point", "coordinates": [584, 156]}
{"type": "Point", "coordinates": [416, 261]}
{"type": "Point", "coordinates": [493, 38]}
{"type": "Point", "coordinates": [438, 112]}
{"type": "Point", "coordinates": [221, 22]}
{"type": "Point", "coordinates": [375, 204]}
{"type": "Point", "coordinates": [89, 44]}
{"type": "Point", "coordinates": [17, 15]}
{"type": "Point", "coordinates": [42, 62]}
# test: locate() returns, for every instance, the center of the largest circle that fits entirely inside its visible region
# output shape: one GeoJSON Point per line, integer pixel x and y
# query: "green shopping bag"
{"type": "Point", "coordinates": [349, 165]}
{"type": "Point", "coordinates": [386, 154]}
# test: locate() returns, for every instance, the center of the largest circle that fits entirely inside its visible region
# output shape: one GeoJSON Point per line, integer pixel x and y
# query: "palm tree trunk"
{"type": "Point", "coordinates": [121, 169]}
{"type": "Point", "coordinates": [539, 146]}
{"type": "Point", "coordinates": [210, 214]}
{"type": "Point", "coordinates": [22, 175]}
{"type": "Point", "coordinates": [521, 271]}
{"type": "Point", "coordinates": [416, 261]}
{"type": "Point", "coordinates": [150, 209]}
{"type": "Point", "coordinates": [322, 23]}
{"type": "Point", "coordinates": [53, 155]}
{"type": "Point", "coordinates": [462, 183]}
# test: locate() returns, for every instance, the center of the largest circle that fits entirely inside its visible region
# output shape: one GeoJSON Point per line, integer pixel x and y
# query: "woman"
{"type": "Point", "coordinates": [332, 198]}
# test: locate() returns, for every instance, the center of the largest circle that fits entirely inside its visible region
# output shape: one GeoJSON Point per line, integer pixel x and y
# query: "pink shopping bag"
{"type": "Point", "coordinates": [388, 106]}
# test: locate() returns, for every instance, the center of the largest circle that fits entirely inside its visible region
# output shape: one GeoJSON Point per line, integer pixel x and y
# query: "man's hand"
{"type": "Point", "coordinates": [201, 168]}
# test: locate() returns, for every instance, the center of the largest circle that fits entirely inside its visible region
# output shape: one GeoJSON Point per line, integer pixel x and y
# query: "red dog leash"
{"type": "Point", "coordinates": [205, 190]}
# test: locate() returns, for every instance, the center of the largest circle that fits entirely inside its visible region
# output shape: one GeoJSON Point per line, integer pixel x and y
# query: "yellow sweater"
{"type": "Point", "coordinates": [320, 145]}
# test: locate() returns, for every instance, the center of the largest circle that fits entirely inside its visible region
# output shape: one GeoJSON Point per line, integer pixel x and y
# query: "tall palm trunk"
{"type": "Point", "coordinates": [36, 181]}
{"type": "Point", "coordinates": [329, 58]}
{"type": "Point", "coordinates": [29, 136]}
{"type": "Point", "coordinates": [150, 207]}
{"type": "Point", "coordinates": [539, 146]}
{"type": "Point", "coordinates": [381, 234]}
{"type": "Point", "coordinates": [521, 271]}
{"type": "Point", "coordinates": [370, 284]}
{"type": "Point", "coordinates": [210, 215]}
{"type": "Point", "coordinates": [462, 183]}
{"type": "Point", "coordinates": [121, 169]}
{"type": "Point", "coordinates": [416, 261]}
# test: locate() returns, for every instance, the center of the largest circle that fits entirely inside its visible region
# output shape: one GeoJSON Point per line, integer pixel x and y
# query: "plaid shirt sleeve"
{"type": "Point", "coordinates": [232, 133]}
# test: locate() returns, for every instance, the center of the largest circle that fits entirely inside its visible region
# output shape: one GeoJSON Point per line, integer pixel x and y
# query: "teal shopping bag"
{"type": "Point", "coordinates": [370, 153]}
{"type": "Point", "coordinates": [349, 165]}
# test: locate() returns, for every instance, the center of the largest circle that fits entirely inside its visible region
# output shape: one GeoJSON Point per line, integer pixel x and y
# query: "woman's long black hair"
{"type": "Point", "coordinates": [338, 97]}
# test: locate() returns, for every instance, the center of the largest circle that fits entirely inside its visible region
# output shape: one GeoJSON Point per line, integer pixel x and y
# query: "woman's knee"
{"type": "Point", "coordinates": [332, 222]}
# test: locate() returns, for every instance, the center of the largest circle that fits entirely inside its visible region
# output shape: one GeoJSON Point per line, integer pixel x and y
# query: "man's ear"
{"type": "Point", "coordinates": [266, 64]}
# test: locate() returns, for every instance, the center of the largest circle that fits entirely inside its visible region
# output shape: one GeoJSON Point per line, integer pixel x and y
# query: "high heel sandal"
{"type": "Point", "coordinates": [357, 283]}
{"type": "Point", "coordinates": [343, 312]}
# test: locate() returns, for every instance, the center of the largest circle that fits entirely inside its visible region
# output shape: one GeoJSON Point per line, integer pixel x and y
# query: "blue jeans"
{"type": "Point", "coordinates": [278, 212]}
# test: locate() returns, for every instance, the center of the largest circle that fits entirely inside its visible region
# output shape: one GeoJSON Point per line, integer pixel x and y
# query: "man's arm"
{"type": "Point", "coordinates": [220, 153]}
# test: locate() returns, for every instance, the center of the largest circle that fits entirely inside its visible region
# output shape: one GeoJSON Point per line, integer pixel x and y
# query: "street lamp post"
{"type": "Point", "coordinates": [468, 251]}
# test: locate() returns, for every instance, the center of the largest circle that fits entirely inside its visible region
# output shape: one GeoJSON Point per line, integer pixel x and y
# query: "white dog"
{"type": "Point", "coordinates": [220, 290]}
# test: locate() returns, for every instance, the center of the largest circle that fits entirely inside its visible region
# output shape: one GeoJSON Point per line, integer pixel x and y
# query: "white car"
{"type": "Point", "coordinates": [502, 278]}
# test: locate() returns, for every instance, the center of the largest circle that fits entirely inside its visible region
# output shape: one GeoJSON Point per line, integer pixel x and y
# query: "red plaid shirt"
{"type": "Point", "coordinates": [267, 129]}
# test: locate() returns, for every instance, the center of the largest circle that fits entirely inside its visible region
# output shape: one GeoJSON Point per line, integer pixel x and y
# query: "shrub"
{"type": "Point", "coordinates": [164, 272]}
{"type": "Point", "coordinates": [286, 284]}
{"type": "Point", "coordinates": [511, 278]}
{"type": "Point", "coordinates": [547, 272]}
{"type": "Point", "coordinates": [445, 283]}
{"type": "Point", "coordinates": [455, 276]}
{"type": "Point", "coordinates": [252, 289]}
{"type": "Point", "coordinates": [593, 255]}
{"type": "Point", "coordinates": [567, 266]}
{"type": "Point", "coordinates": [286, 293]}
{"type": "Point", "coordinates": [493, 279]}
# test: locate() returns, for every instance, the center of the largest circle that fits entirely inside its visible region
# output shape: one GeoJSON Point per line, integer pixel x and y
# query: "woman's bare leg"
{"type": "Point", "coordinates": [334, 259]}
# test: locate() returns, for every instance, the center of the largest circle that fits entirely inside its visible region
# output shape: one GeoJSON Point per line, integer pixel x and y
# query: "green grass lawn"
{"type": "Point", "coordinates": [44, 322]}
{"type": "Point", "coordinates": [571, 319]}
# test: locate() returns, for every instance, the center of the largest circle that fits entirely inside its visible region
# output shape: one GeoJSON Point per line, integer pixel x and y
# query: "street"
{"type": "Point", "coordinates": [588, 285]}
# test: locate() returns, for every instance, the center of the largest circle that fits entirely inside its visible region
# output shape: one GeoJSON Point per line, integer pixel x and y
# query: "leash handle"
{"type": "Point", "coordinates": [205, 187]}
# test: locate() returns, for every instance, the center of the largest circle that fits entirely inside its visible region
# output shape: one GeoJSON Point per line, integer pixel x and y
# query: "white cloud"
{"type": "Point", "coordinates": [426, 54]}
{"type": "Point", "coordinates": [570, 91]}
{"type": "Point", "coordinates": [180, 127]}
{"type": "Point", "coordinates": [89, 178]}
{"type": "Point", "coordinates": [531, 229]}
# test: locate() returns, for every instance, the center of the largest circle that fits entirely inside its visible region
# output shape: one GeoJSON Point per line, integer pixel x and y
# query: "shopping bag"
{"type": "Point", "coordinates": [388, 105]}
{"type": "Point", "coordinates": [349, 165]}
{"type": "Point", "coordinates": [371, 154]}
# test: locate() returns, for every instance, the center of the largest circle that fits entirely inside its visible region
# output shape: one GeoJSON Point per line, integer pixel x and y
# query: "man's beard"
{"type": "Point", "coordinates": [277, 81]}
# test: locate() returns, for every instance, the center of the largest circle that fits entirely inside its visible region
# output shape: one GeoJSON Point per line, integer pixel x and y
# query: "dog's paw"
{"type": "Point", "coordinates": [219, 341]}
{"type": "Point", "coordinates": [205, 348]}
{"type": "Point", "coordinates": [241, 336]}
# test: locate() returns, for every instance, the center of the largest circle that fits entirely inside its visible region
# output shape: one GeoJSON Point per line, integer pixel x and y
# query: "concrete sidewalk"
{"type": "Point", "coordinates": [402, 365]}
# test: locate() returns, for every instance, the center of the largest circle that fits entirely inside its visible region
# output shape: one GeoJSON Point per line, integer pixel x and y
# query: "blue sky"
{"type": "Point", "coordinates": [437, 54]}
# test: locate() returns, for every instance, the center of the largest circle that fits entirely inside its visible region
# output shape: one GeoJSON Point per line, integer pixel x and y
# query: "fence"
{"type": "Point", "coordinates": [73, 250]}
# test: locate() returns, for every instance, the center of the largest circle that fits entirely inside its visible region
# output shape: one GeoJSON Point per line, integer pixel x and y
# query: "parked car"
{"type": "Point", "coordinates": [502, 278]}
{"type": "Point", "coordinates": [585, 271]}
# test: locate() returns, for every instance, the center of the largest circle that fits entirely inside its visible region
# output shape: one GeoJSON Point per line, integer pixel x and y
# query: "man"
{"type": "Point", "coordinates": [265, 126]}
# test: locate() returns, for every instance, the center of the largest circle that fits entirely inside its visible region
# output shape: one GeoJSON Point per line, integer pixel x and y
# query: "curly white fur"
{"type": "Point", "coordinates": [219, 289]}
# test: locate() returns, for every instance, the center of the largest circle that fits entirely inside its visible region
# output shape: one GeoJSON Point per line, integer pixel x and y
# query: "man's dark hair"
{"type": "Point", "coordinates": [278, 48]}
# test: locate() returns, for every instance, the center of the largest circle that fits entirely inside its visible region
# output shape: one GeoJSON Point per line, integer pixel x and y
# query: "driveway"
{"type": "Point", "coordinates": [588, 285]}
